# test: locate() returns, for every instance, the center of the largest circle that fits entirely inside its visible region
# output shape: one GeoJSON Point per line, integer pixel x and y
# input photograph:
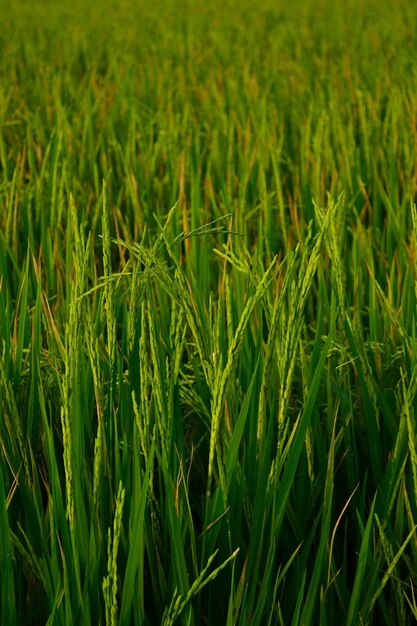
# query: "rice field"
{"type": "Point", "coordinates": [208, 304]}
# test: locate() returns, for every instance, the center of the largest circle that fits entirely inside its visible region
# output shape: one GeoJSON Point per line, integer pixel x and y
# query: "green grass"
{"type": "Point", "coordinates": [208, 303]}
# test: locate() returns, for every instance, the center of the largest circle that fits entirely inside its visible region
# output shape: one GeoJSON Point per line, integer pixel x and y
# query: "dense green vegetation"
{"type": "Point", "coordinates": [208, 299]}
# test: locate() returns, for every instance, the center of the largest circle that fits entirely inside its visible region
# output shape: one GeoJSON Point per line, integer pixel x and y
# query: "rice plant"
{"type": "Point", "coordinates": [208, 291]}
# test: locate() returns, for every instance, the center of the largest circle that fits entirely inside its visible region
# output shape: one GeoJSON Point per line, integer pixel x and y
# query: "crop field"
{"type": "Point", "coordinates": [208, 307]}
